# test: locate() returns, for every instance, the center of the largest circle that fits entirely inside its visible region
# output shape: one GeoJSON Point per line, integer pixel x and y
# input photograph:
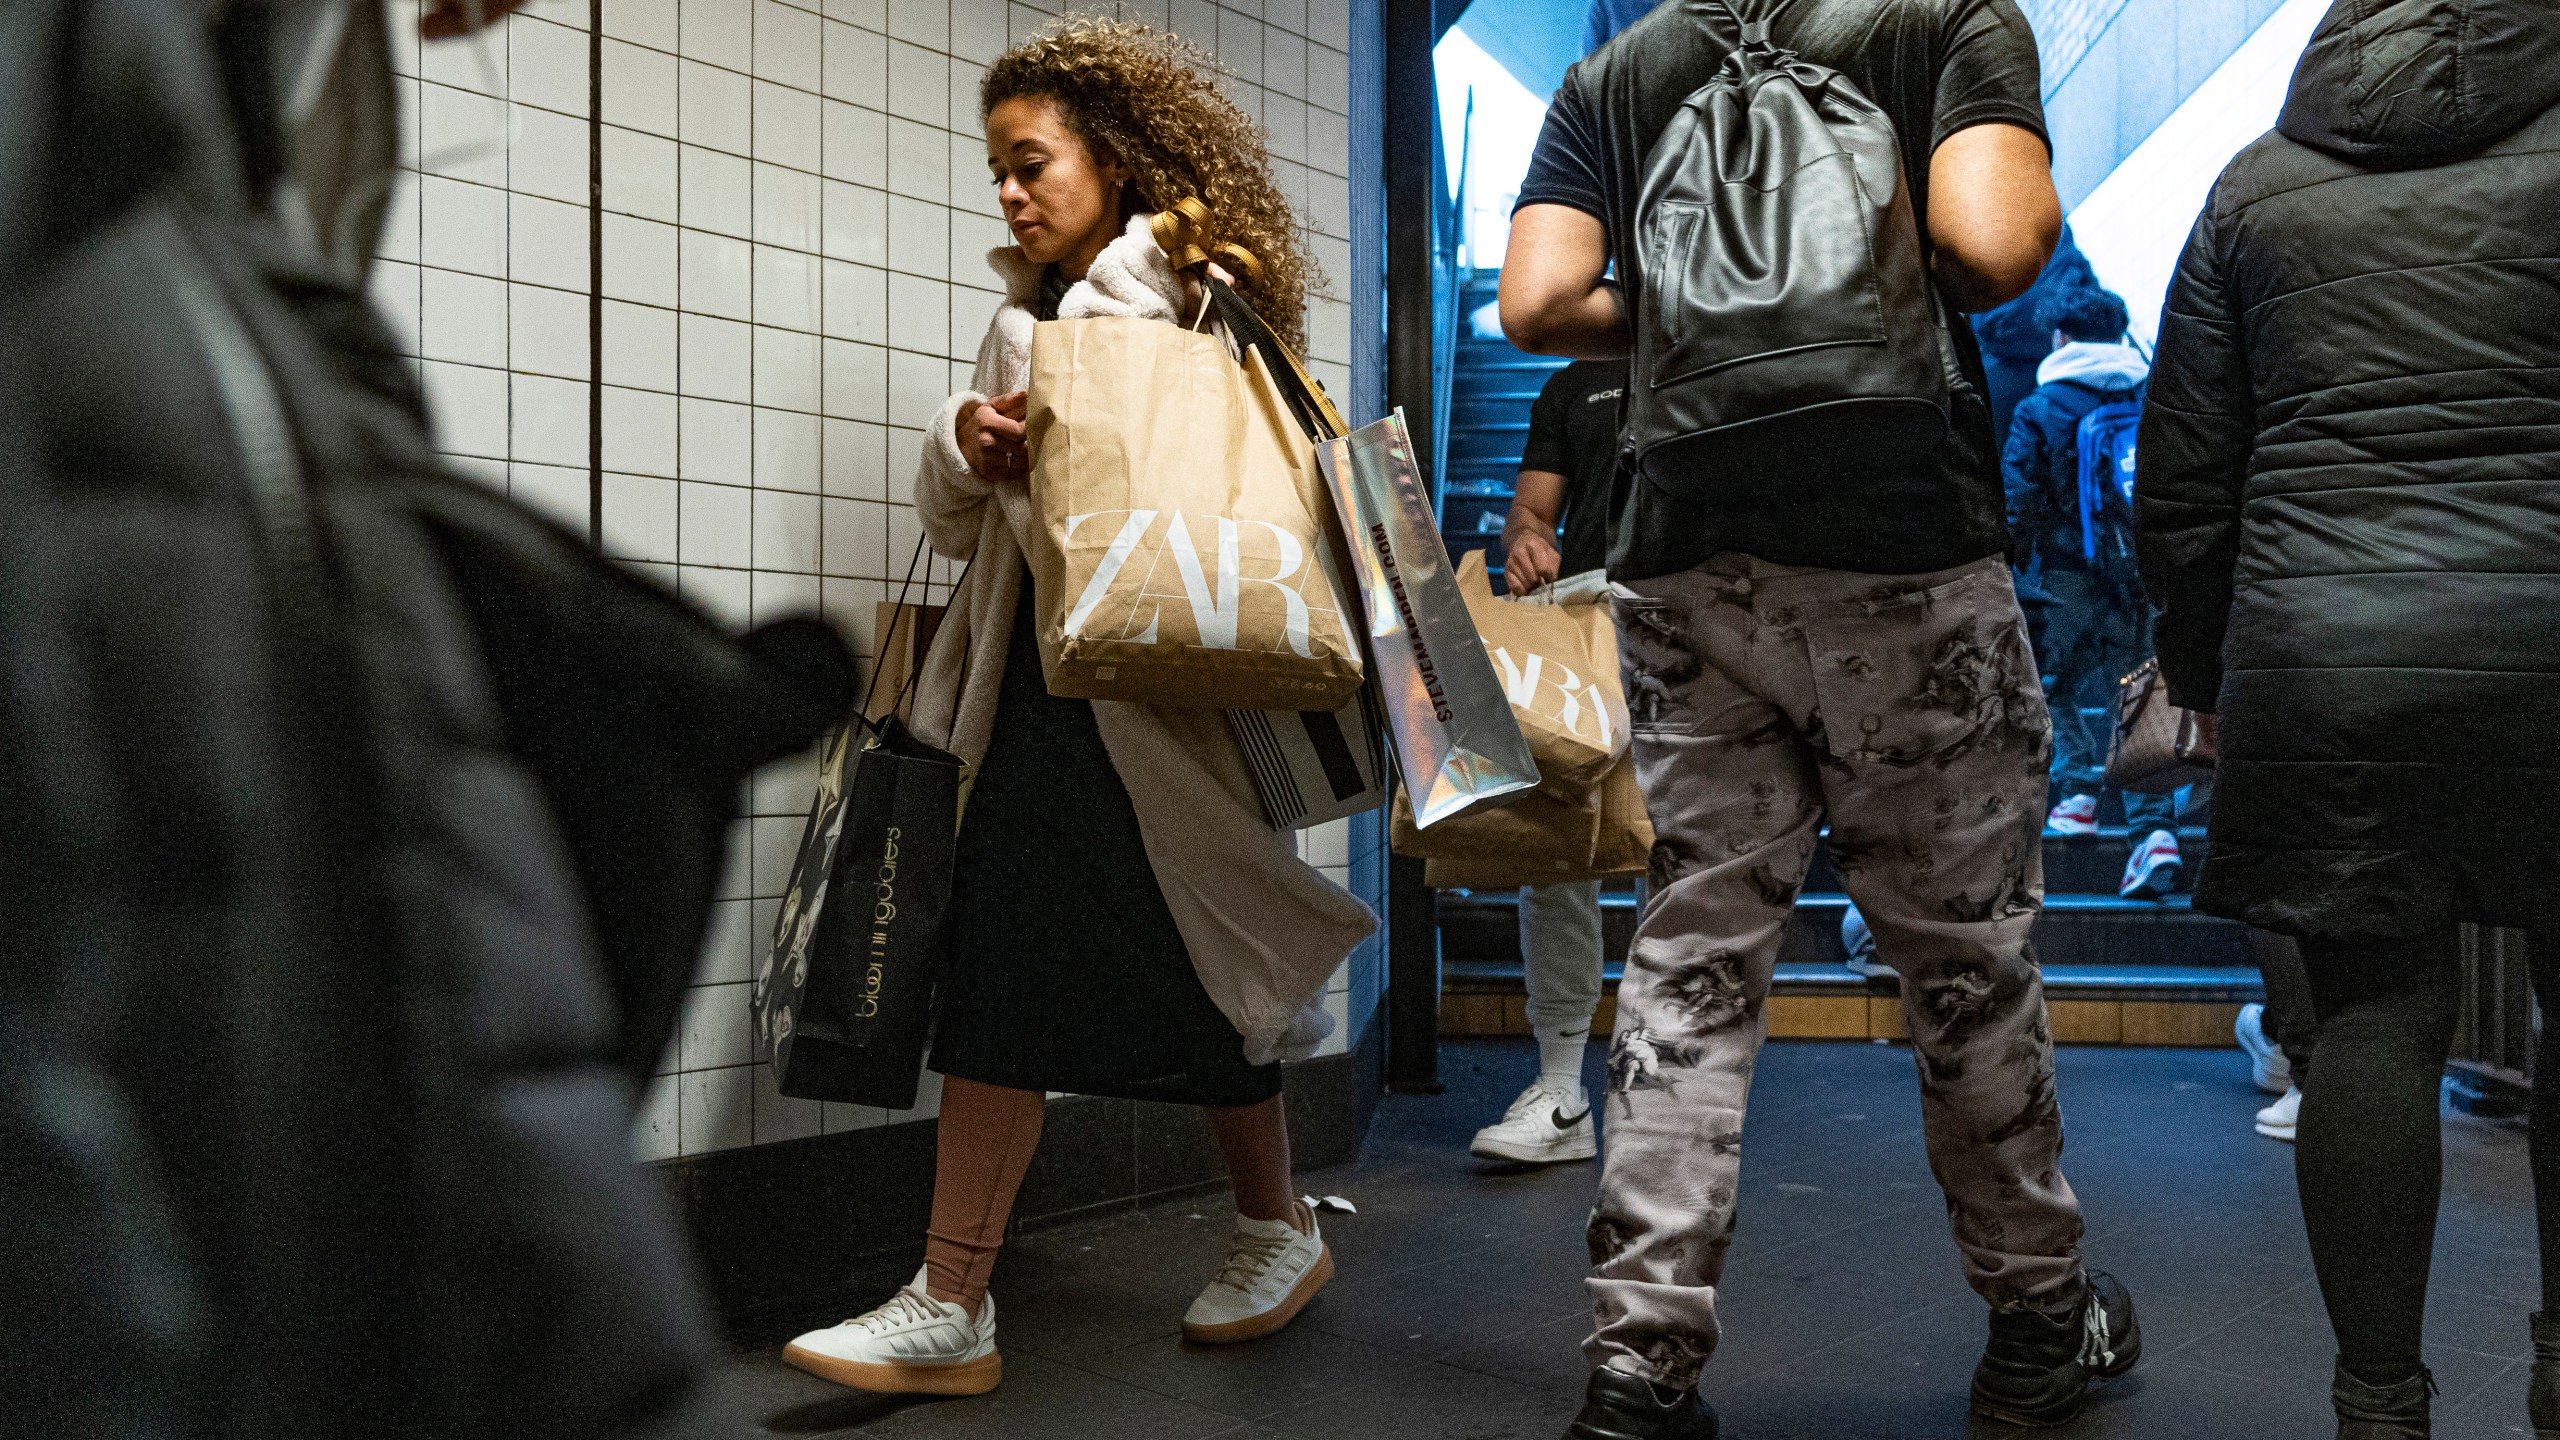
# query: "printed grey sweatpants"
{"type": "Point", "coordinates": [1905, 710]}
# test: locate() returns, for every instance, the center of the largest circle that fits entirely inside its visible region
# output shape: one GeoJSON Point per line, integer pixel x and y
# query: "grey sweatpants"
{"type": "Point", "coordinates": [1906, 710]}
{"type": "Point", "coordinates": [1560, 942]}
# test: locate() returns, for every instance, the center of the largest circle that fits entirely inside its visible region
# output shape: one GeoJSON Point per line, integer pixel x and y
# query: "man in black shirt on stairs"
{"type": "Point", "coordinates": [1842, 646]}
{"type": "Point", "coordinates": [1559, 527]}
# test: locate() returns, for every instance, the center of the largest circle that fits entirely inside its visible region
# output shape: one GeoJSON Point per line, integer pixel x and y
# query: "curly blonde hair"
{"type": "Point", "coordinates": [1151, 100]}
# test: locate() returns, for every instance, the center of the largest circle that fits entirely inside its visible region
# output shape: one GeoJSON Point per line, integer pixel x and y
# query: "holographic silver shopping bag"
{"type": "Point", "coordinates": [1455, 738]}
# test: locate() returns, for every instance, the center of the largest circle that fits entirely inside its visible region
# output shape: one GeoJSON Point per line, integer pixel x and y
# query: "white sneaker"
{"type": "Point", "coordinates": [1548, 1124]}
{"type": "Point", "coordinates": [2076, 815]}
{"type": "Point", "coordinates": [2277, 1121]}
{"type": "Point", "coordinates": [2151, 872]}
{"type": "Point", "coordinates": [2267, 1064]}
{"type": "Point", "coordinates": [913, 1345]}
{"type": "Point", "coordinates": [1273, 1269]}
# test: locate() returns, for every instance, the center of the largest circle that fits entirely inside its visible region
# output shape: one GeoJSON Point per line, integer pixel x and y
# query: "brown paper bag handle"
{"type": "Point", "coordinates": [1475, 581]}
{"type": "Point", "coordinates": [897, 616]}
{"type": "Point", "coordinates": [1316, 412]}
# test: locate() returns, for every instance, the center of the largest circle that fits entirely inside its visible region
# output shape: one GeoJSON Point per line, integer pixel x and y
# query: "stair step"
{"type": "Point", "coordinates": [1482, 927]}
{"type": "Point", "coordinates": [2079, 865]}
{"type": "Point", "coordinates": [1494, 357]}
{"type": "Point", "coordinates": [2228, 983]}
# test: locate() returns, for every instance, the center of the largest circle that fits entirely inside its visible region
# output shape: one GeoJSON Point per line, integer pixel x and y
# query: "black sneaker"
{"type": "Point", "coordinates": [1622, 1407]}
{"type": "Point", "coordinates": [2037, 1368]}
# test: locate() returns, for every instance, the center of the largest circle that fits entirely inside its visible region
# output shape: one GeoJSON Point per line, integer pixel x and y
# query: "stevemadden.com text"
{"type": "Point", "coordinates": [1412, 628]}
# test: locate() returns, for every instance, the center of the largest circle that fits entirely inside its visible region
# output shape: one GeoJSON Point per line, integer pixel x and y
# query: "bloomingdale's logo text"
{"type": "Point", "coordinates": [884, 908]}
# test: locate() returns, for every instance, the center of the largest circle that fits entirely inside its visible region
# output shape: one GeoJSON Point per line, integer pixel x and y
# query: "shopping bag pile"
{"type": "Point", "coordinates": [1558, 655]}
{"type": "Point", "coordinates": [1214, 535]}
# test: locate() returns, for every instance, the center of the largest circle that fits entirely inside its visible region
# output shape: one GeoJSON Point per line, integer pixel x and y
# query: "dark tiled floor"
{"type": "Point", "coordinates": [1458, 1307]}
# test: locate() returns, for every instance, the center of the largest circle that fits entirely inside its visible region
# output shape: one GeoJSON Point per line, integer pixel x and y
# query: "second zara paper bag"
{"type": "Point", "coordinates": [1558, 664]}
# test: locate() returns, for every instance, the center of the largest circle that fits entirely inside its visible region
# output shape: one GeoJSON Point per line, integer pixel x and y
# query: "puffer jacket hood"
{"type": "Point", "coordinates": [2397, 84]}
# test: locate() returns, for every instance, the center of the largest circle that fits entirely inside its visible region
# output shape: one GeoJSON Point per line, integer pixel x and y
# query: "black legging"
{"type": "Point", "coordinates": [2369, 1154]}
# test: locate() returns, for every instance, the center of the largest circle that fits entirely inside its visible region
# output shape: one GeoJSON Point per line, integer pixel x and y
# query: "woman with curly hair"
{"type": "Point", "coordinates": [1125, 922]}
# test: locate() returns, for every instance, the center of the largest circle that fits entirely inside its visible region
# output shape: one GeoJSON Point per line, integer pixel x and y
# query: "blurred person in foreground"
{"type": "Point", "coordinates": [2349, 502]}
{"type": "Point", "coordinates": [361, 827]}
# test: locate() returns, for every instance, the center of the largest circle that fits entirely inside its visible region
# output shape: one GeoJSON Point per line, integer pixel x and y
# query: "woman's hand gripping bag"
{"type": "Point", "coordinates": [1180, 559]}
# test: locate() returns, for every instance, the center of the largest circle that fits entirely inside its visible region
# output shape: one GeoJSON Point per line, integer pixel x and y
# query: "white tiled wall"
{"type": "Point", "coordinates": [483, 269]}
{"type": "Point", "coordinates": [795, 219]}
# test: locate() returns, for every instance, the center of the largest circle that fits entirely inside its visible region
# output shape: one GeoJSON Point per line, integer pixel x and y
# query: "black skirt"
{"type": "Point", "coordinates": [1065, 970]}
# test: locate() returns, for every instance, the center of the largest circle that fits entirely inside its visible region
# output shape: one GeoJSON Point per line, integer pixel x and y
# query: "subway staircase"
{"type": "Point", "coordinates": [2116, 971]}
{"type": "Point", "coordinates": [1488, 425]}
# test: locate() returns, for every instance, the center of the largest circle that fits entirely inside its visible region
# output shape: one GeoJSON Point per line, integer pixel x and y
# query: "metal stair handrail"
{"type": "Point", "coordinates": [1444, 377]}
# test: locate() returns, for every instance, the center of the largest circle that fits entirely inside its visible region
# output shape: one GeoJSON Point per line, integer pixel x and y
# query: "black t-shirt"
{"type": "Point", "coordinates": [1573, 432]}
{"type": "Point", "coordinates": [1935, 67]}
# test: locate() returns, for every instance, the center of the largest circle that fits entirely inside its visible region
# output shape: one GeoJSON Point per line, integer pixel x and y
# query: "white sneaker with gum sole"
{"type": "Point", "coordinates": [1273, 1269]}
{"type": "Point", "coordinates": [911, 1345]}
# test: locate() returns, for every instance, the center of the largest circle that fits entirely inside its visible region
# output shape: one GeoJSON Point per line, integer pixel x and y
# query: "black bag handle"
{"type": "Point", "coordinates": [1314, 409]}
{"type": "Point", "coordinates": [862, 715]}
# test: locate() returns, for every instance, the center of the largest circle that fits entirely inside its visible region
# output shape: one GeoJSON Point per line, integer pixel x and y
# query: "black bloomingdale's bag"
{"type": "Point", "coordinates": [844, 999]}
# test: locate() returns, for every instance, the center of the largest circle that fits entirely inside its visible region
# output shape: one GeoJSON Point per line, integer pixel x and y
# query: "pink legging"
{"type": "Point", "coordinates": [983, 1147]}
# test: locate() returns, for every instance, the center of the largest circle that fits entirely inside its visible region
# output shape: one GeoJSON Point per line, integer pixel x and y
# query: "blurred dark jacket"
{"type": "Point", "coordinates": [2349, 490]}
{"type": "Point", "coordinates": [359, 828]}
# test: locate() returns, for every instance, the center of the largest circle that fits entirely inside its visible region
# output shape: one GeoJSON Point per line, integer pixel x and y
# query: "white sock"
{"type": "Point", "coordinates": [1560, 1058]}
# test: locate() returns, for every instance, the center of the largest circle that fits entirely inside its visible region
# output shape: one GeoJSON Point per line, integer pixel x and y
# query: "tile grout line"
{"type": "Point", "coordinates": [595, 275]}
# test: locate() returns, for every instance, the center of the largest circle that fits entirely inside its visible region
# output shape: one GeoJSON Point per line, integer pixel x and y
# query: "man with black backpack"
{"type": "Point", "coordinates": [2068, 471]}
{"type": "Point", "coordinates": [1817, 622]}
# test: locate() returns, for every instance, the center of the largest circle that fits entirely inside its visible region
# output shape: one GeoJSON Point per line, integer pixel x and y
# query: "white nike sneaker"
{"type": "Point", "coordinates": [1273, 1269]}
{"type": "Point", "coordinates": [2076, 815]}
{"type": "Point", "coordinates": [2151, 872]}
{"type": "Point", "coordinates": [2277, 1121]}
{"type": "Point", "coordinates": [912, 1345]}
{"type": "Point", "coordinates": [2267, 1063]}
{"type": "Point", "coordinates": [1546, 1125]}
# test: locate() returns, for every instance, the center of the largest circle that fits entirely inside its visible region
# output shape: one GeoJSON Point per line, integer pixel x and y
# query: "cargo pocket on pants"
{"type": "Point", "coordinates": [1657, 662]}
{"type": "Point", "coordinates": [1927, 673]}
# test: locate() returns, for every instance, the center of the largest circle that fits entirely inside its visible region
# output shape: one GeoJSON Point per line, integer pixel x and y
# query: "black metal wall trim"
{"type": "Point", "coordinates": [1408, 125]}
{"type": "Point", "coordinates": [595, 273]}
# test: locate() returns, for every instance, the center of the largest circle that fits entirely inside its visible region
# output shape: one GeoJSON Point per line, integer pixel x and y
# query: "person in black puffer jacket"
{"type": "Point", "coordinates": [2349, 508]}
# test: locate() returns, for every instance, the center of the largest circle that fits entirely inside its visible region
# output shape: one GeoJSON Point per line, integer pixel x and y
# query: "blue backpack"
{"type": "Point", "coordinates": [2106, 471]}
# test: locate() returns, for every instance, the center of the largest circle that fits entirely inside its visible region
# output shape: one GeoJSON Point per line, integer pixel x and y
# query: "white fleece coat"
{"type": "Point", "coordinates": [1264, 929]}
